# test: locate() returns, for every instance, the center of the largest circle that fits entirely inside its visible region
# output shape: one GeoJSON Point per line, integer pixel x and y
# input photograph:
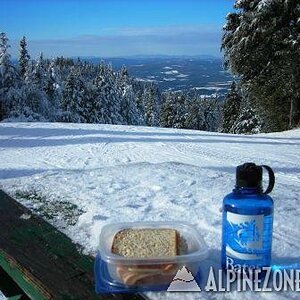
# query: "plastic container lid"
{"type": "Point", "coordinates": [196, 248]}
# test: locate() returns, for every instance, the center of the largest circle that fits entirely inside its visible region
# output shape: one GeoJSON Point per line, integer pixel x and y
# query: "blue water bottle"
{"type": "Point", "coordinates": [248, 220]}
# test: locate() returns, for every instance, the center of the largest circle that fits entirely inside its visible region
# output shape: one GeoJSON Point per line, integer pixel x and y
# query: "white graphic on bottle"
{"type": "Point", "coordinates": [246, 236]}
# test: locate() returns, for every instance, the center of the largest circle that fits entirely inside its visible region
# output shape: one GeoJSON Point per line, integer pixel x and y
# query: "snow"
{"type": "Point", "coordinates": [263, 4]}
{"type": "Point", "coordinates": [2, 297]}
{"type": "Point", "coordinates": [118, 173]}
{"type": "Point", "coordinates": [226, 83]}
{"type": "Point", "coordinates": [144, 80]}
{"type": "Point", "coordinates": [169, 79]}
{"type": "Point", "coordinates": [171, 72]}
{"type": "Point", "coordinates": [182, 76]}
{"type": "Point", "coordinates": [209, 88]}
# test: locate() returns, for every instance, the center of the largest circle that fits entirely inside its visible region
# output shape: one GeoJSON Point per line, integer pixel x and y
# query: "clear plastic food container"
{"type": "Point", "coordinates": [115, 272]}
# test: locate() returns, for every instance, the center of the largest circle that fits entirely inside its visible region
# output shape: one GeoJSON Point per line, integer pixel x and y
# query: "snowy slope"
{"type": "Point", "coordinates": [124, 173]}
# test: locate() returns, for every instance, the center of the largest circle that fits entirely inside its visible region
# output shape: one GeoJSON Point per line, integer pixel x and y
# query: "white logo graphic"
{"type": "Point", "coordinates": [184, 281]}
{"type": "Point", "coordinates": [247, 230]}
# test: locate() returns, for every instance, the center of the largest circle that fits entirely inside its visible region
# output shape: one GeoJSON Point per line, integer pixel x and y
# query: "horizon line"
{"type": "Point", "coordinates": [131, 56]}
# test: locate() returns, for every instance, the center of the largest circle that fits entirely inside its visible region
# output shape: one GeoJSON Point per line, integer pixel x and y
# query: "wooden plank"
{"type": "Point", "coordinates": [44, 262]}
{"type": "Point", "coordinates": [9, 288]}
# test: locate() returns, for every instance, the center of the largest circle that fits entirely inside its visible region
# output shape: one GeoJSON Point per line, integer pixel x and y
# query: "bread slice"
{"type": "Point", "coordinates": [148, 242]}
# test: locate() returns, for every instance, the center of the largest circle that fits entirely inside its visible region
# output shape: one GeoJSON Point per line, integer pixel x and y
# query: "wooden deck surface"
{"type": "Point", "coordinates": [43, 261]}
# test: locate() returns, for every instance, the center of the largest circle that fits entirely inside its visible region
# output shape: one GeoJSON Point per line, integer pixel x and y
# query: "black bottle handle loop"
{"type": "Point", "coordinates": [271, 179]}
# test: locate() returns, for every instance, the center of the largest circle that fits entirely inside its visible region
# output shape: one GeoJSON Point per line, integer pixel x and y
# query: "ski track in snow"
{"type": "Point", "coordinates": [125, 173]}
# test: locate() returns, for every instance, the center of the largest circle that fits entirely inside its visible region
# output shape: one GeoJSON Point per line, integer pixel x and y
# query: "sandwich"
{"type": "Point", "coordinates": [146, 243]}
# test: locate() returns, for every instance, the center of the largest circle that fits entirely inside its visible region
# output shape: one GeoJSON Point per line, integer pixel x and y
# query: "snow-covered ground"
{"type": "Point", "coordinates": [83, 176]}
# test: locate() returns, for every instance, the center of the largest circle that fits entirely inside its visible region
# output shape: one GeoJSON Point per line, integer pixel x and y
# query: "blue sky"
{"type": "Point", "coordinates": [115, 27]}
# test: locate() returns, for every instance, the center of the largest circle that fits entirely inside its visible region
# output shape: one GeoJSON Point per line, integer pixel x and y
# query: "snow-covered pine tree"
{"type": "Point", "coordinates": [138, 90]}
{"type": "Point", "coordinates": [53, 89]}
{"type": "Point", "coordinates": [13, 94]}
{"type": "Point", "coordinates": [51, 82]}
{"type": "Point", "coordinates": [8, 76]}
{"type": "Point", "coordinates": [123, 75]}
{"type": "Point", "coordinates": [100, 102]}
{"type": "Point", "coordinates": [38, 76]}
{"type": "Point", "coordinates": [180, 110]}
{"type": "Point", "coordinates": [167, 110]}
{"type": "Point", "coordinates": [24, 57]}
{"type": "Point", "coordinates": [87, 113]}
{"type": "Point", "coordinates": [35, 85]}
{"type": "Point", "coordinates": [22, 100]}
{"type": "Point", "coordinates": [73, 98]}
{"type": "Point", "coordinates": [248, 122]}
{"type": "Point", "coordinates": [129, 110]}
{"type": "Point", "coordinates": [189, 110]}
{"type": "Point", "coordinates": [114, 98]}
{"type": "Point", "coordinates": [262, 45]}
{"type": "Point", "coordinates": [128, 107]}
{"type": "Point", "coordinates": [151, 105]}
{"type": "Point", "coordinates": [195, 116]}
{"type": "Point", "coordinates": [231, 108]}
{"type": "Point", "coordinates": [211, 109]}
{"type": "Point", "coordinates": [36, 101]}
{"type": "Point", "coordinates": [106, 102]}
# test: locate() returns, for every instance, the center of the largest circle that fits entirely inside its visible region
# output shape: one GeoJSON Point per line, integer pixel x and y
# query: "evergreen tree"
{"type": "Point", "coordinates": [247, 122]}
{"type": "Point", "coordinates": [262, 45]}
{"type": "Point", "coordinates": [128, 106]}
{"type": "Point", "coordinates": [73, 98]}
{"type": "Point", "coordinates": [231, 108]}
{"type": "Point", "coordinates": [167, 110]}
{"type": "Point", "coordinates": [51, 83]}
{"type": "Point", "coordinates": [53, 89]}
{"type": "Point", "coordinates": [138, 90]}
{"type": "Point", "coordinates": [211, 111]}
{"type": "Point", "coordinates": [107, 100]}
{"type": "Point", "coordinates": [35, 86]}
{"type": "Point", "coordinates": [129, 110]}
{"type": "Point", "coordinates": [123, 75]}
{"type": "Point", "coordinates": [24, 57]}
{"type": "Point", "coordinates": [180, 110]}
{"type": "Point", "coordinates": [195, 116]}
{"type": "Point", "coordinates": [39, 72]}
{"type": "Point", "coordinates": [8, 76]}
{"type": "Point", "coordinates": [151, 105]}
{"type": "Point", "coordinates": [36, 102]}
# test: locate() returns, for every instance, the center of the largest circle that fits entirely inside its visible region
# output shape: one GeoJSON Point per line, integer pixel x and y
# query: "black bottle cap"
{"type": "Point", "coordinates": [249, 175]}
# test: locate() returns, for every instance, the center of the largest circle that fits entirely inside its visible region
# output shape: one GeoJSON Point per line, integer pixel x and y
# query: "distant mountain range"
{"type": "Point", "coordinates": [149, 56]}
{"type": "Point", "coordinates": [204, 73]}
